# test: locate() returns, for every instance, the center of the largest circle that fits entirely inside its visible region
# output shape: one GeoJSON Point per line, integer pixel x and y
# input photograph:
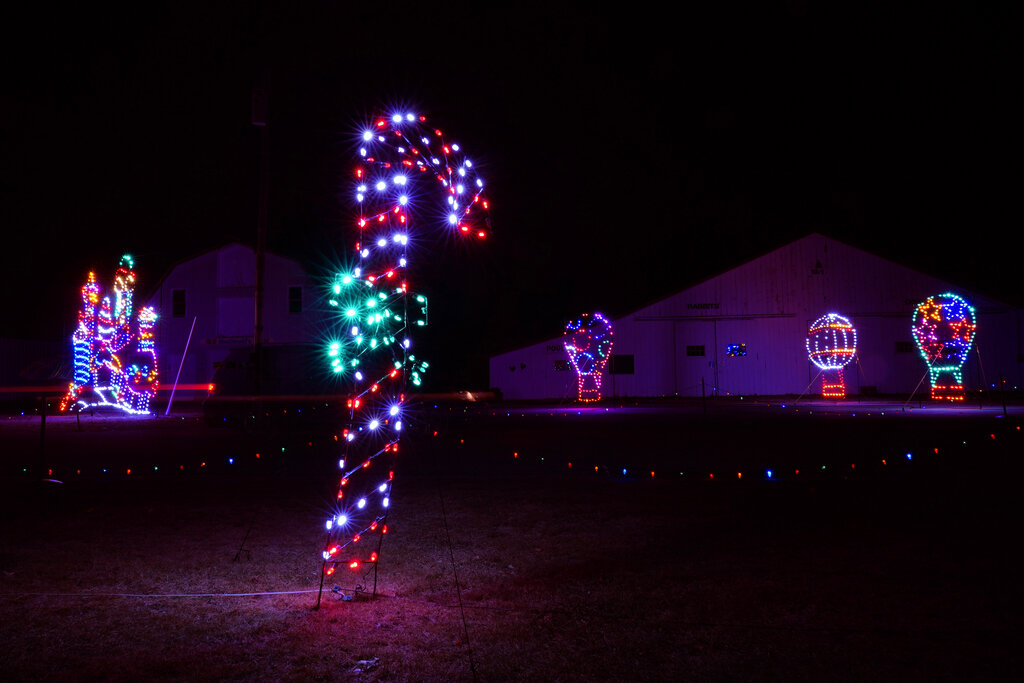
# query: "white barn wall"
{"type": "Point", "coordinates": [530, 372]}
{"type": "Point", "coordinates": [651, 346]}
{"type": "Point", "coordinates": [768, 304]}
{"type": "Point", "coordinates": [219, 288]}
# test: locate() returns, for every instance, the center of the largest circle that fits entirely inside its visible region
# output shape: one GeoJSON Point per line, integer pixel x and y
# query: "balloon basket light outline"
{"type": "Point", "coordinates": [944, 327]}
{"type": "Point", "coordinates": [115, 359]}
{"type": "Point", "coordinates": [588, 341]}
{"type": "Point", "coordinates": [404, 165]}
{"type": "Point", "coordinates": [831, 345]}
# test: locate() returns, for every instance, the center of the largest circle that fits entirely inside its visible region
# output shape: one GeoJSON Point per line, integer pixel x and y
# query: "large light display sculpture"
{"type": "Point", "coordinates": [944, 327]}
{"type": "Point", "coordinates": [405, 166]}
{"type": "Point", "coordinates": [115, 361]}
{"type": "Point", "coordinates": [831, 345]}
{"type": "Point", "coordinates": [588, 341]}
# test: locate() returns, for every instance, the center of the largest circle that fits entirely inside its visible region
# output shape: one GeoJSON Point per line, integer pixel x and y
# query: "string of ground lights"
{"type": "Point", "coordinates": [87, 465]}
{"type": "Point", "coordinates": [401, 159]}
{"type": "Point", "coordinates": [115, 361]}
{"type": "Point", "coordinates": [242, 461]}
{"type": "Point", "coordinates": [813, 467]}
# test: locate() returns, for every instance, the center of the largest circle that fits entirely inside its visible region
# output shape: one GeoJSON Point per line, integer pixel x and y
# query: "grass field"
{"type": "Point", "coordinates": [858, 571]}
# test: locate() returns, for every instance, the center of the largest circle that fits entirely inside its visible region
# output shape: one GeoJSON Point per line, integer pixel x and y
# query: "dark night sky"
{"type": "Point", "coordinates": [628, 154]}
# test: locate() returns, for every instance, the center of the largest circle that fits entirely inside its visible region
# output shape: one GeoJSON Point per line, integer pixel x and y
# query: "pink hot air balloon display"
{"type": "Point", "coordinates": [588, 341]}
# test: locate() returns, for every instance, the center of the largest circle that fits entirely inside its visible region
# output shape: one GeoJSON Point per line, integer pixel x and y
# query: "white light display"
{"type": "Point", "coordinates": [831, 345]}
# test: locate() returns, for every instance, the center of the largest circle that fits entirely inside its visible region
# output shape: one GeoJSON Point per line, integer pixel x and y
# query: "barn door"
{"type": "Point", "coordinates": [696, 357]}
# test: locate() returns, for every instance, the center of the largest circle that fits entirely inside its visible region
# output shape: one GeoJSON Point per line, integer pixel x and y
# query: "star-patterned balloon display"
{"type": "Point", "coordinates": [943, 327]}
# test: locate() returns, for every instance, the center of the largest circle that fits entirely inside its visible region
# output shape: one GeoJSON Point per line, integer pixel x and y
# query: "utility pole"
{"type": "Point", "coordinates": [259, 118]}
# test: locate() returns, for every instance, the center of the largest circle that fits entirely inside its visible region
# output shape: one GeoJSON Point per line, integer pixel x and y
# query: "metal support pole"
{"type": "Point", "coordinates": [323, 572]}
{"type": "Point", "coordinates": [42, 438]}
{"type": "Point", "coordinates": [259, 118]}
{"type": "Point", "coordinates": [1002, 392]}
{"type": "Point", "coordinates": [180, 364]}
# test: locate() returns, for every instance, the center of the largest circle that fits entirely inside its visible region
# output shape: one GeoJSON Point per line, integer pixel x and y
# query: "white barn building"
{"type": "Point", "coordinates": [764, 308]}
{"type": "Point", "coordinates": [216, 290]}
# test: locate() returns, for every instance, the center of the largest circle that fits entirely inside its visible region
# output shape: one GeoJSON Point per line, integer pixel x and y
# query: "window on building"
{"type": "Point", "coordinates": [561, 365]}
{"type": "Point", "coordinates": [620, 364]}
{"type": "Point", "coordinates": [904, 347]}
{"type": "Point", "coordinates": [735, 350]}
{"type": "Point", "coordinates": [295, 299]}
{"type": "Point", "coordinates": [178, 303]}
{"type": "Point", "coordinates": [697, 350]}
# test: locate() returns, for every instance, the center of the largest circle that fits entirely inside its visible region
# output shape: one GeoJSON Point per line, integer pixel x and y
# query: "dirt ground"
{"type": "Point", "coordinates": [850, 561]}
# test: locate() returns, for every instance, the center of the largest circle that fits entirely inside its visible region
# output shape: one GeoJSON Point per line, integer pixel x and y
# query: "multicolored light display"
{"type": "Point", "coordinates": [943, 327]}
{"type": "Point", "coordinates": [831, 345]}
{"type": "Point", "coordinates": [588, 341]}
{"type": "Point", "coordinates": [405, 166]}
{"type": "Point", "coordinates": [735, 350]}
{"type": "Point", "coordinates": [114, 353]}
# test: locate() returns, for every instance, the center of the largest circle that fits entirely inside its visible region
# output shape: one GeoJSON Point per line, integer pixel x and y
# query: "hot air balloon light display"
{"type": "Point", "coordinates": [943, 327]}
{"type": "Point", "coordinates": [588, 341]}
{"type": "Point", "coordinates": [831, 345]}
